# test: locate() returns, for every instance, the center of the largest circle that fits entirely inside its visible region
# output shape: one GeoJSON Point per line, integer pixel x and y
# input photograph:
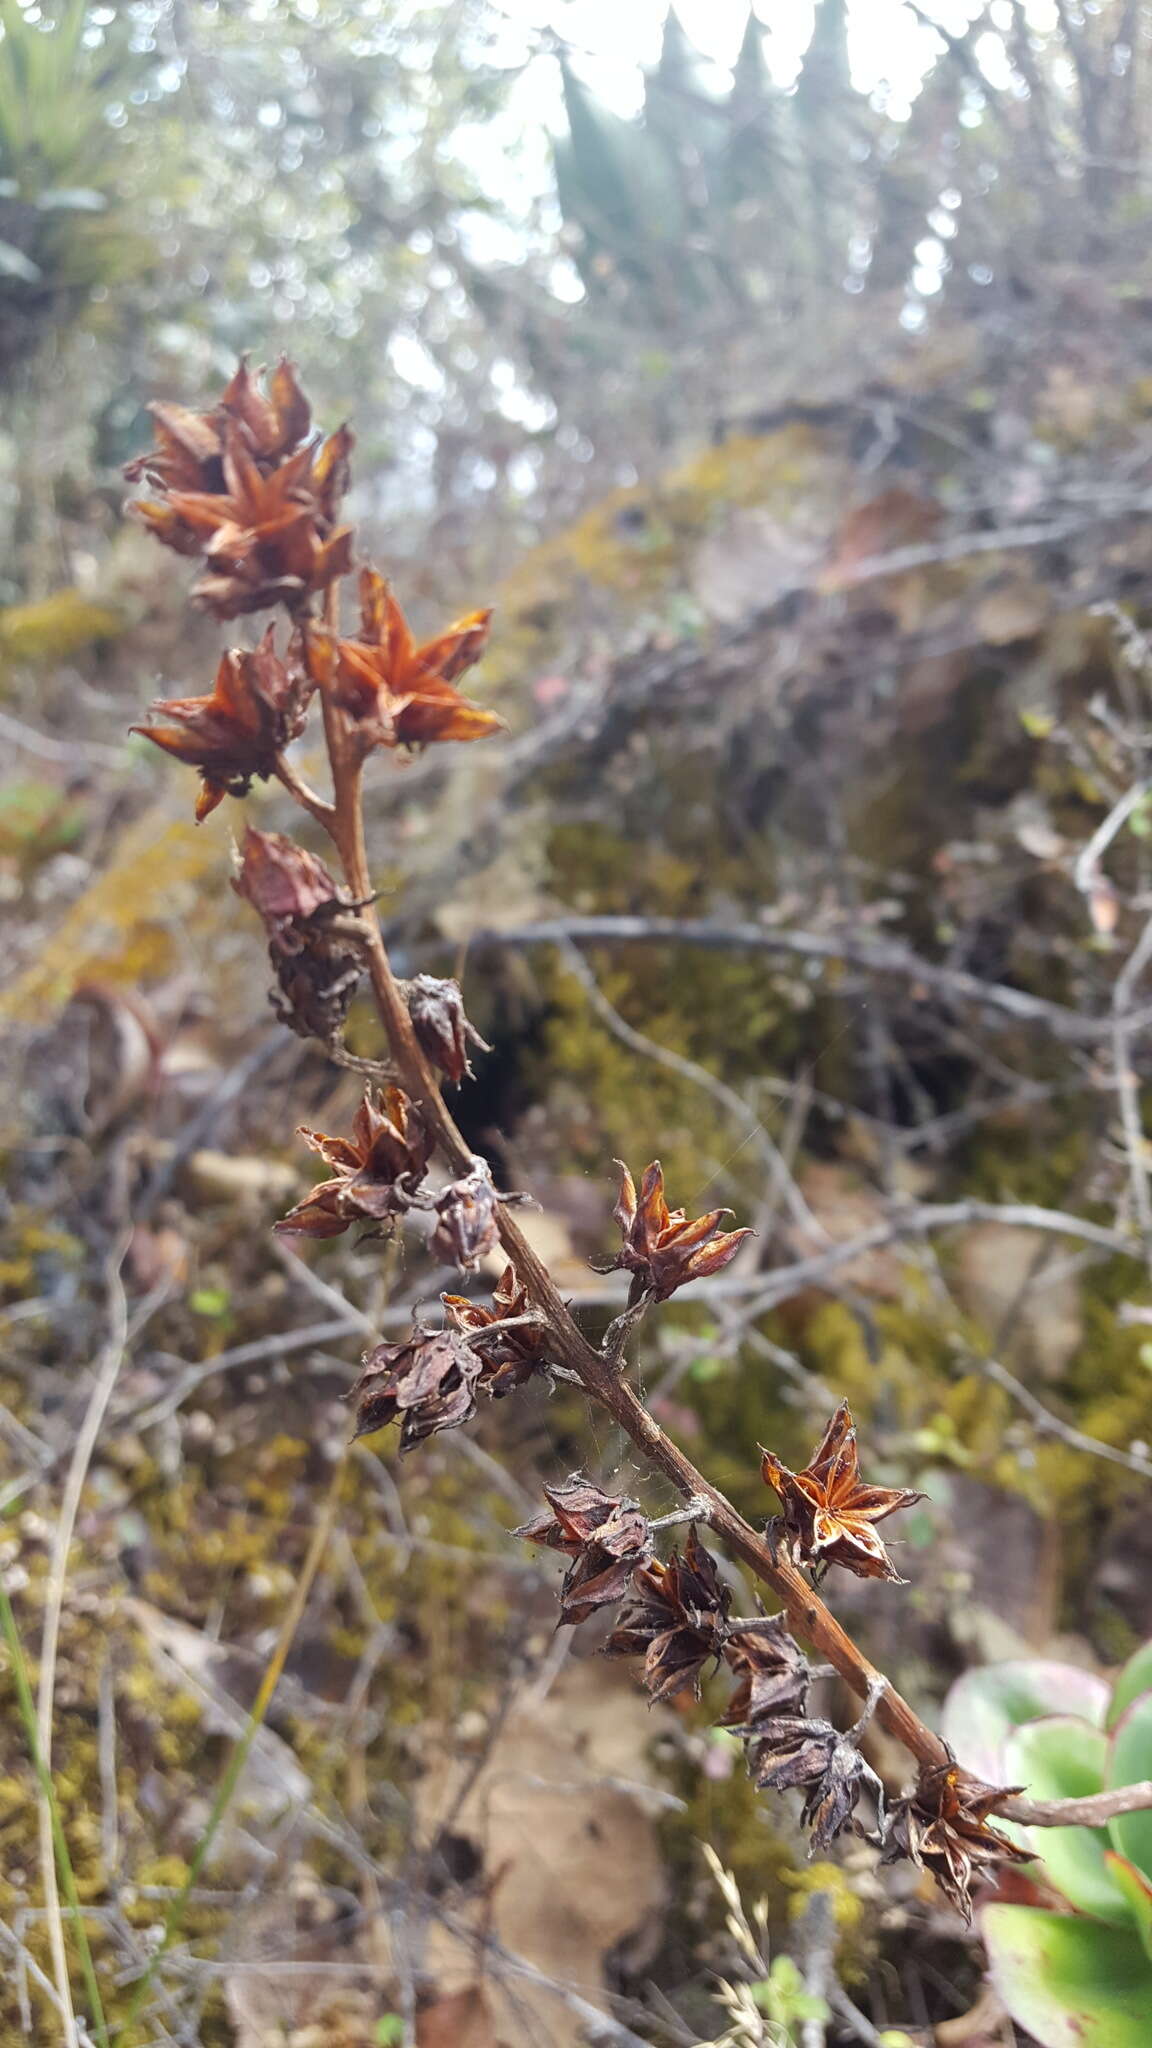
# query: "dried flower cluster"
{"type": "Point", "coordinates": [431, 1380]}
{"type": "Point", "coordinates": [943, 1827]}
{"type": "Point", "coordinates": [257, 707]}
{"type": "Point", "coordinates": [250, 489]}
{"type": "Point", "coordinates": [513, 1337]}
{"type": "Point", "coordinates": [395, 693]}
{"type": "Point", "coordinates": [675, 1618]}
{"type": "Point", "coordinates": [377, 1169]}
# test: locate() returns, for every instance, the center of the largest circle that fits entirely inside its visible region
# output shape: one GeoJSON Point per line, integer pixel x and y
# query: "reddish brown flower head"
{"type": "Point", "coordinates": [943, 1827]}
{"type": "Point", "coordinates": [401, 694]}
{"type": "Point", "coordinates": [257, 706]}
{"type": "Point", "coordinates": [661, 1248]}
{"type": "Point", "coordinates": [317, 968]}
{"type": "Point", "coordinates": [771, 1671]}
{"type": "Point", "coordinates": [676, 1620]}
{"type": "Point", "coordinates": [437, 1012]}
{"type": "Point", "coordinates": [262, 537]}
{"type": "Point", "coordinates": [607, 1540]}
{"type": "Point", "coordinates": [829, 1516]}
{"type": "Point", "coordinates": [426, 1384]}
{"type": "Point", "coordinates": [510, 1356]}
{"type": "Point", "coordinates": [467, 1219]}
{"type": "Point", "coordinates": [245, 487]}
{"type": "Point", "coordinates": [377, 1170]}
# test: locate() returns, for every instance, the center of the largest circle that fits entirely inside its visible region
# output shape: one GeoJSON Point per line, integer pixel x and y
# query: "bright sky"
{"type": "Point", "coordinates": [614, 37]}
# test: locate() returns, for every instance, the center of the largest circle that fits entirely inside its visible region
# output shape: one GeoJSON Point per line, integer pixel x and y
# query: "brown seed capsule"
{"type": "Point", "coordinates": [426, 1384]}
{"type": "Point", "coordinates": [607, 1540]}
{"type": "Point", "coordinates": [437, 1012]}
{"type": "Point", "coordinates": [467, 1219]}
{"type": "Point", "coordinates": [675, 1621]}
{"type": "Point", "coordinates": [400, 694]}
{"type": "Point", "coordinates": [943, 1827]}
{"type": "Point", "coordinates": [244, 486]}
{"type": "Point", "coordinates": [317, 968]}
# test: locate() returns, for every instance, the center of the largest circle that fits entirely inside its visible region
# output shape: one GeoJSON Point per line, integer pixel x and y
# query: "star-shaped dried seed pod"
{"type": "Point", "coordinates": [510, 1356]}
{"type": "Point", "coordinates": [257, 707]}
{"type": "Point", "coordinates": [316, 967]}
{"type": "Point", "coordinates": [377, 1169]}
{"type": "Point", "coordinates": [606, 1538]}
{"type": "Point", "coordinates": [943, 1827]}
{"type": "Point", "coordinates": [467, 1219]}
{"type": "Point", "coordinates": [829, 1516]}
{"type": "Point", "coordinates": [400, 694]}
{"type": "Point", "coordinates": [675, 1620]}
{"type": "Point", "coordinates": [771, 1671]}
{"type": "Point", "coordinates": [788, 1752]}
{"type": "Point", "coordinates": [437, 1011]}
{"type": "Point", "coordinates": [661, 1249]}
{"type": "Point", "coordinates": [426, 1384]}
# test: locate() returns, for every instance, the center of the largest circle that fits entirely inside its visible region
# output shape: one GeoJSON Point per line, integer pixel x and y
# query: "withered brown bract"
{"type": "Point", "coordinates": [317, 967]}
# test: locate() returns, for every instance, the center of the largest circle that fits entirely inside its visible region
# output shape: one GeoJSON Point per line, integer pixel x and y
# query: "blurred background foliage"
{"type": "Point", "coordinates": [525, 317]}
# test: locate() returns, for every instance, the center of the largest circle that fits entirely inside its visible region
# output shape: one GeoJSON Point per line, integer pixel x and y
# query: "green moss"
{"type": "Point", "coordinates": [52, 629]}
{"type": "Point", "coordinates": [624, 562]}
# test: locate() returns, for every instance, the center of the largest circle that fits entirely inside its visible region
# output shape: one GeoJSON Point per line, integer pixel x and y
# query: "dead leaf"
{"type": "Point", "coordinates": [1103, 906]}
{"type": "Point", "coordinates": [895, 518]}
{"type": "Point", "coordinates": [462, 2020]}
{"type": "Point", "coordinates": [564, 1773]}
{"type": "Point", "coordinates": [1015, 608]}
{"type": "Point", "coordinates": [984, 2025]}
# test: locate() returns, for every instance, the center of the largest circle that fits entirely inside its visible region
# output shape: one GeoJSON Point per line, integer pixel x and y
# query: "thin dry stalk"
{"type": "Point", "coordinates": [107, 1373]}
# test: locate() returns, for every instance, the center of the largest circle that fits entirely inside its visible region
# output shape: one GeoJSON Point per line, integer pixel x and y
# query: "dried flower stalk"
{"type": "Point", "coordinates": [248, 488]}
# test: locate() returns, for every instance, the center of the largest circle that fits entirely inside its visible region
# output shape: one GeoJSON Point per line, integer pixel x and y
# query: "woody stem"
{"type": "Point", "coordinates": [601, 1379]}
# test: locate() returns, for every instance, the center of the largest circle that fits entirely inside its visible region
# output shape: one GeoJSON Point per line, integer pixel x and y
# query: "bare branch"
{"type": "Point", "coordinates": [1094, 1812]}
{"type": "Point", "coordinates": [877, 956]}
{"type": "Point", "coordinates": [1053, 1426]}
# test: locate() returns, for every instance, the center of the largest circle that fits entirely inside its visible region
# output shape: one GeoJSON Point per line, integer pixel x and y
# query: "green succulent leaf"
{"type": "Point", "coordinates": [1063, 1758]}
{"type": "Point", "coordinates": [1069, 1981]}
{"type": "Point", "coordinates": [1137, 1891]}
{"type": "Point", "coordinates": [1134, 1678]}
{"type": "Point", "coordinates": [1129, 1763]}
{"type": "Point", "coordinates": [984, 1706]}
